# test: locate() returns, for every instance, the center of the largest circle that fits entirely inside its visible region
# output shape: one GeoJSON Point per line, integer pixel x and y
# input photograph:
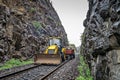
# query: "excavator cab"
{"type": "Point", "coordinates": [52, 54]}
{"type": "Point", "coordinates": [55, 41]}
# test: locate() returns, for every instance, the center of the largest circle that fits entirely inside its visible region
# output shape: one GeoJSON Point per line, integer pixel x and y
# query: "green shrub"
{"type": "Point", "coordinates": [36, 24]}
{"type": "Point", "coordinates": [84, 72]}
{"type": "Point", "coordinates": [14, 62]}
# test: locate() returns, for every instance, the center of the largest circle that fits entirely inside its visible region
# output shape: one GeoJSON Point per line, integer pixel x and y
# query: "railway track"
{"type": "Point", "coordinates": [14, 70]}
{"type": "Point", "coordinates": [37, 72]}
{"type": "Point", "coordinates": [46, 76]}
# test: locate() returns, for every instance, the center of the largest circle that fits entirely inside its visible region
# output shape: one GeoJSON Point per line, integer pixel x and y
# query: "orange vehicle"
{"type": "Point", "coordinates": [70, 54]}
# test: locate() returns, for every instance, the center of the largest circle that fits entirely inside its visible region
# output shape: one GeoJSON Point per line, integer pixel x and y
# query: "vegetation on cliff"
{"type": "Point", "coordinates": [84, 71]}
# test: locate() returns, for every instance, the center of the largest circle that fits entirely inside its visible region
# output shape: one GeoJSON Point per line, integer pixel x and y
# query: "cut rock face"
{"type": "Point", "coordinates": [101, 35]}
{"type": "Point", "coordinates": [25, 27]}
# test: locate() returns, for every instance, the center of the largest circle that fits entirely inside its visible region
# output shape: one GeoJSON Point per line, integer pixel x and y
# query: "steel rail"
{"type": "Point", "coordinates": [40, 78]}
{"type": "Point", "coordinates": [51, 72]}
{"type": "Point", "coordinates": [17, 72]}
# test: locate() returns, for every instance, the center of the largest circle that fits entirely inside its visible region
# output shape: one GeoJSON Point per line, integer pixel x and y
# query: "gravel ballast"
{"type": "Point", "coordinates": [67, 72]}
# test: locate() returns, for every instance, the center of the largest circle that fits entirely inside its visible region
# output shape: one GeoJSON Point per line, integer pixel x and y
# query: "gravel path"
{"type": "Point", "coordinates": [67, 72]}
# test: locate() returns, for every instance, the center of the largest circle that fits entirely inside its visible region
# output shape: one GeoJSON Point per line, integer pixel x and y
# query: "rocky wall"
{"type": "Point", "coordinates": [25, 27]}
{"type": "Point", "coordinates": [101, 36]}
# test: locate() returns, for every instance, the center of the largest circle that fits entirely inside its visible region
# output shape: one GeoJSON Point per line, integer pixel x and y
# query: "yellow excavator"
{"type": "Point", "coordinates": [54, 53]}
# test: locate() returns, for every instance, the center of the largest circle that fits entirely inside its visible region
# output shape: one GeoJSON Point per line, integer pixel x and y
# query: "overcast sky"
{"type": "Point", "coordinates": [72, 13]}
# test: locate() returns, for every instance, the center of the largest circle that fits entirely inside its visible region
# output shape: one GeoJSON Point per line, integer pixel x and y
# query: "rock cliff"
{"type": "Point", "coordinates": [101, 36]}
{"type": "Point", "coordinates": [25, 26]}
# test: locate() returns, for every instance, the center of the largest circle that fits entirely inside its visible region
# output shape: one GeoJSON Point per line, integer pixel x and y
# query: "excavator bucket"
{"type": "Point", "coordinates": [47, 59]}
